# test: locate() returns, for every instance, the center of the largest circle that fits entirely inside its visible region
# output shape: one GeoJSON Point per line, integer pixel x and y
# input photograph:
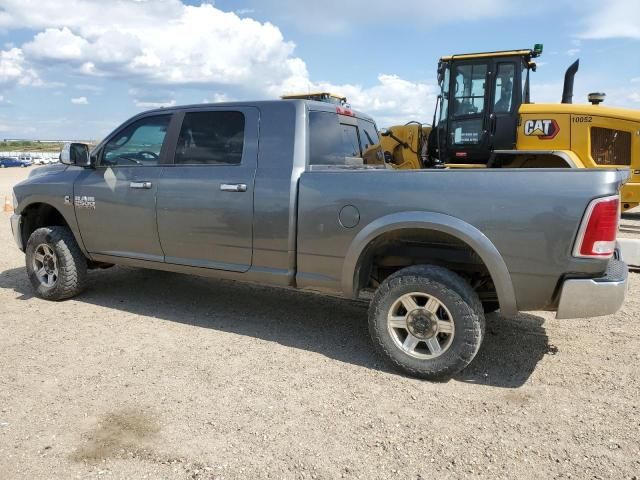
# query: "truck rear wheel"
{"type": "Point", "coordinates": [427, 321]}
{"type": "Point", "coordinates": [56, 267]}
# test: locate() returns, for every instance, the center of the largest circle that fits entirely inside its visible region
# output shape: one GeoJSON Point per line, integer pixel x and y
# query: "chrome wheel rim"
{"type": "Point", "coordinates": [45, 265]}
{"type": "Point", "coordinates": [420, 325]}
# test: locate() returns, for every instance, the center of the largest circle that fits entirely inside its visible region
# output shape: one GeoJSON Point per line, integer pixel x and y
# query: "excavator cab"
{"type": "Point", "coordinates": [477, 111]}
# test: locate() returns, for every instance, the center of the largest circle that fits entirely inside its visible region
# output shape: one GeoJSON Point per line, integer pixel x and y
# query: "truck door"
{"type": "Point", "coordinates": [506, 97]}
{"type": "Point", "coordinates": [115, 202]}
{"type": "Point", "coordinates": [205, 197]}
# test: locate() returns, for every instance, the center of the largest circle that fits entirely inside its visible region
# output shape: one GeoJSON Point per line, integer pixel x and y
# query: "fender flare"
{"type": "Point", "coordinates": [68, 216]}
{"type": "Point", "coordinates": [453, 226]}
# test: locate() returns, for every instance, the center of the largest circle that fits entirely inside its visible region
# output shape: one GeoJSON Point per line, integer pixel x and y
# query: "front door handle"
{"type": "Point", "coordinates": [144, 185]}
{"type": "Point", "coordinates": [233, 187]}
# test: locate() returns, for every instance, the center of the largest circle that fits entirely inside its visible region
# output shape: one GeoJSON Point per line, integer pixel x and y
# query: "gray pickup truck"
{"type": "Point", "coordinates": [294, 193]}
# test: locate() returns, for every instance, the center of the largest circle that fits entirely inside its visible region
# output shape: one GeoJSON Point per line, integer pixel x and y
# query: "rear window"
{"type": "Point", "coordinates": [333, 143]}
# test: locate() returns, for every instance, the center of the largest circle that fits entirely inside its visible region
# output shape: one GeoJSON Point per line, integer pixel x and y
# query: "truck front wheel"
{"type": "Point", "coordinates": [56, 267]}
{"type": "Point", "coordinates": [427, 321]}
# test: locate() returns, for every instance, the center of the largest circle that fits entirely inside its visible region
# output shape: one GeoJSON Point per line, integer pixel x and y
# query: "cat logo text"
{"type": "Point", "coordinates": [543, 129]}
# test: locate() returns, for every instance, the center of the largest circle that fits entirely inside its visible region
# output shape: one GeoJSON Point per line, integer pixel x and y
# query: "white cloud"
{"type": "Point", "coordinates": [572, 52]}
{"type": "Point", "coordinates": [611, 19]}
{"type": "Point", "coordinates": [150, 104]}
{"type": "Point", "coordinates": [634, 97]}
{"type": "Point", "coordinates": [80, 101]}
{"type": "Point", "coordinates": [14, 70]}
{"type": "Point", "coordinates": [57, 44]}
{"type": "Point", "coordinates": [163, 44]}
{"type": "Point", "coordinates": [391, 101]}
{"type": "Point", "coordinates": [217, 98]}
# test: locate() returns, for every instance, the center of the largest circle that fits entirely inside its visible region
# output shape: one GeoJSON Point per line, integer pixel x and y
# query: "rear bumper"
{"type": "Point", "coordinates": [594, 297]}
{"type": "Point", "coordinates": [16, 229]}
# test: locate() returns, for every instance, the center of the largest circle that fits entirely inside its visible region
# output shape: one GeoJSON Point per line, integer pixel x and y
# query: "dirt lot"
{"type": "Point", "coordinates": [159, 375]}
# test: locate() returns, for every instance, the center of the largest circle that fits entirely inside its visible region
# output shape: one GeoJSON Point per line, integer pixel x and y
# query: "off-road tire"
{"type": "Point", "coordinates": [71, 263]}
{"type": "Point", "coordinates": [455, 294]}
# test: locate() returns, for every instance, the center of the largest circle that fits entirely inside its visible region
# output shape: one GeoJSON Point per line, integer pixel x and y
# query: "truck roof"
{"type": "Point", "coordinates": [309, 104]}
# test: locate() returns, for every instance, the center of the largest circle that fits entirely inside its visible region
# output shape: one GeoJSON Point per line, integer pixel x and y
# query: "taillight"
{"type": "Point", "coordinates": [597, 234]}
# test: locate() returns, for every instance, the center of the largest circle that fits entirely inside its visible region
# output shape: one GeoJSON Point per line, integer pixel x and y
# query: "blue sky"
{"type": "Point", "coordinates": [75, 69]}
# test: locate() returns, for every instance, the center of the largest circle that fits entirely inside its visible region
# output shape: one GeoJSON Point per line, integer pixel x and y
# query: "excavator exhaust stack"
{"type": "Point", "coordinates": [567, 90]}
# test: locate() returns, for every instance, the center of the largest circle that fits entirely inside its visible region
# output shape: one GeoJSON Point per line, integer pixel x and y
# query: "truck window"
{"type": "Point", "coordinates": [350, 140]}
{"type": "Point", "coordinates": [372, 153]}
{"type": "Point", "coordinates": [211, 138]}
{"type": "Point", "coordinates": [137, 144]}
{"type": "Point", "coordinates": [332, 142]}
{"type": "Point", "coordinates": [368, 135]}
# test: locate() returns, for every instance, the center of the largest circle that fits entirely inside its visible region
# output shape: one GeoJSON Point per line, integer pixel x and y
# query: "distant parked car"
{"type": "Point", "coordinates": [12, 162]}
{"type": "Point", "coordinates": [38, 160]}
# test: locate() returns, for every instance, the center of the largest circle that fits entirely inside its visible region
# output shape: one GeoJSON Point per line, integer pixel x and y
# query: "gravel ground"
{"type": "Point", "coordinates": [165, 376]}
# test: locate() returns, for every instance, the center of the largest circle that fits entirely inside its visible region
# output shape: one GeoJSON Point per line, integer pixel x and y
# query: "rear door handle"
{"type": "Point", "coordinates": [144, 185]}
{"type": "Point", "coordinates": [233, 187]}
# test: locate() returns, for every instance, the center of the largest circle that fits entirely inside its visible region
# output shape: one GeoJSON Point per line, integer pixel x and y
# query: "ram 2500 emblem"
{"type": "Point", "coordinates": [85, 202]}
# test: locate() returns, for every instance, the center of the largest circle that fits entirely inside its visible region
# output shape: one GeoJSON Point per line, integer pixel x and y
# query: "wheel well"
{"type": "Point", "coordinates": [402, 248]}
{"type": "Point", "coordinates": [39, 215]}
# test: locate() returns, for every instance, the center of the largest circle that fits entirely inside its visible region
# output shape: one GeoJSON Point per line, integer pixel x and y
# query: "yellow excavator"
{"type": "Point", "coordinates": [484, 117]}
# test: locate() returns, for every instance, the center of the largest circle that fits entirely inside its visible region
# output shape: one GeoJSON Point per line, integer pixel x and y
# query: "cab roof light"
{"type": "Point", "coordinates": [537, 49]}
{"type": "Point", "coordinates": [344, 111]}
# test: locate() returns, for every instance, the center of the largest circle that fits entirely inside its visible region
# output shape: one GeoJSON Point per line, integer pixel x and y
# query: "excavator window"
{"type": "Point", "coordinates": [470, 89]}
{"type": "Point", "coordinates": [504, 82]}
{"type": "Point", "coordinates": [444, 105]}
{"type": "Point", "coordinates": [480, 98]}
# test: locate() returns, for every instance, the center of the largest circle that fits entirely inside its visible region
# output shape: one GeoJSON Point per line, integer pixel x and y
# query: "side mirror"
{"type": "Point", "coordinates": [75, 154]}
{"type": "Point", "coordinates": [384, 132]}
